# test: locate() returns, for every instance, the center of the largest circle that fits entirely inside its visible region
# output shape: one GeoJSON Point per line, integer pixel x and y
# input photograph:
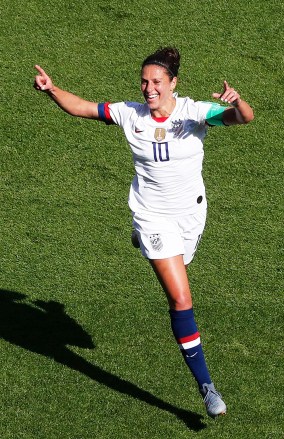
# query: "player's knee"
{"type": "Point", "coordinates": [181, 302]}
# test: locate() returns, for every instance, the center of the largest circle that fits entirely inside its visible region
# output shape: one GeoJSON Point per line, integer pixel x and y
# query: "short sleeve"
{"type": "Point", "coordinates": [211, 113]}
{"type": "Point", "coordinates": [119, 113]}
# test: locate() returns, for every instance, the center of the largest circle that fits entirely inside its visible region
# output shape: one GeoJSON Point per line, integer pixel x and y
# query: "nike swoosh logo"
{"type": "Point", "coordinates": [191, 356]}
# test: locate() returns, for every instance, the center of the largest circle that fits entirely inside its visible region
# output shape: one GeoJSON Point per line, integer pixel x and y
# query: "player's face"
{"type": "Point", "coordinates": [157, 87]}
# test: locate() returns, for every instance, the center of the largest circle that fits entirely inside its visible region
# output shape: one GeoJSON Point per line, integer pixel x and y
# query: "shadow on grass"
{"type": "Point", "coordinates": [45, 328]}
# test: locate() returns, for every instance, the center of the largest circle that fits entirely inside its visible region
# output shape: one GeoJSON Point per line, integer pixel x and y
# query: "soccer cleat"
{"type": "Point", "coordinates": [213, 400]}
{"type": "Point", "coordinates": [134, 239]}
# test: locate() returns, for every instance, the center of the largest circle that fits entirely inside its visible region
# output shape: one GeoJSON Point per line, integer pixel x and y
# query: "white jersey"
{"type": "Point", "coordinates": [167, 155]}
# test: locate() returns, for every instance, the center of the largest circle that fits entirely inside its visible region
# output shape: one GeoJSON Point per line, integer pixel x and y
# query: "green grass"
{"type": "Point", "coordinates": [86, 346]}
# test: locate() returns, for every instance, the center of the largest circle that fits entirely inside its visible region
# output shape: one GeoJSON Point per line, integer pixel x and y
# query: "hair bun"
{"type": "Point", "coordinates": [167, 57]}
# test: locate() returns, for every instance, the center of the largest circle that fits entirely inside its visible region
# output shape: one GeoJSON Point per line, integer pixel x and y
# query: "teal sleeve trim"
{"type": "Point", "coordinates": [214, 115]}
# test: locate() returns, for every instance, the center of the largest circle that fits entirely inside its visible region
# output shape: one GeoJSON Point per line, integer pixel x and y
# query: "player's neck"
{"type": "Point", "coordinates": [164, 111]}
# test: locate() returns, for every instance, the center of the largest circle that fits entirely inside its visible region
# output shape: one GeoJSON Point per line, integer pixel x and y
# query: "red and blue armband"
{"type": "Point", "coordinates": [104, 113]}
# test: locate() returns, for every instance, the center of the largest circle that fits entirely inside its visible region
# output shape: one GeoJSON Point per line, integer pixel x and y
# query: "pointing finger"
{"type": "Point", "coordinates": [40, 70]}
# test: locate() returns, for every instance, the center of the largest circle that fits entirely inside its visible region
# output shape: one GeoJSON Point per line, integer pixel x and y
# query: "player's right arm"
{"type": "Point", "coordinates": [69, 102]}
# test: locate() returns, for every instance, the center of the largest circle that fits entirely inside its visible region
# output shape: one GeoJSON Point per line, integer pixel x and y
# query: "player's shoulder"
{"type": "Point", "coordinates": [198, 110]}
{"type": "Point", "coordinates": [124, 113]}
{"type": "Point", "coordinates": [187, 106]}
{"type": "Point", "coordinates": [187, 102]}
{"type": "Point", "coordinates": [131, 107]}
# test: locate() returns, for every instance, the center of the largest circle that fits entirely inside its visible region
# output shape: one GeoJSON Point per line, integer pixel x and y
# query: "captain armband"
{"type": "Point", "coordinates": [214, 116]}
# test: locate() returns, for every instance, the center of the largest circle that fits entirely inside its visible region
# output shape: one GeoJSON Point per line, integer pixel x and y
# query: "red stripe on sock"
{"type": "Point", "coordinates": [188, 338]}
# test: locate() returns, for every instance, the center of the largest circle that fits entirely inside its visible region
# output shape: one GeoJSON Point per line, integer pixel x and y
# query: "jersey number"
{"type": "Point", "coordinates": [161, 152]}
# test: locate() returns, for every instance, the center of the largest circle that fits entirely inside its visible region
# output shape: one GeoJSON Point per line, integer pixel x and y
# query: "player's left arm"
{"type": "Point", "coordinates": [239, 112]}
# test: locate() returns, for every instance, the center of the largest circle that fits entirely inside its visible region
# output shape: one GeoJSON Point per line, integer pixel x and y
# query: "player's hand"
{"type": "Point", "coordinates": [228, 94]}
{"type": "Point", "coordinates": [42, 80]}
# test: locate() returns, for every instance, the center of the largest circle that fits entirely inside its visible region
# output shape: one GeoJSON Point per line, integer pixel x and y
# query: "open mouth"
{"type": "Point", "coordinates": [151, 97]}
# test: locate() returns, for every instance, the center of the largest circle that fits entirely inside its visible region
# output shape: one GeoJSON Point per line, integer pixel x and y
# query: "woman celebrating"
{"type": "Point", "coordinates": [167, 195]}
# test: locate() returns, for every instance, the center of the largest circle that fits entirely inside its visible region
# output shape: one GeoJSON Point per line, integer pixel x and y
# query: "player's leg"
{"type": "Point", "coordinates": [159, 239]}
{"type": "Point", "coordinates": [171, 273]}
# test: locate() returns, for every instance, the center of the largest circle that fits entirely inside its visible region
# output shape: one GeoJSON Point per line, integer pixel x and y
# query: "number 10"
{"type": "Point", "coordinates": [161, 152]}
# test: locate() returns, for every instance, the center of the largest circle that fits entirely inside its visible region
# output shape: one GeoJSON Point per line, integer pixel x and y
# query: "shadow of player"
{"type": "Point", "coordinates": [44, 328]}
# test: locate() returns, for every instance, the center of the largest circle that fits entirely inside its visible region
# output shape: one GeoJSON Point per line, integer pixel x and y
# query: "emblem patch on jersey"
{"type": "Point", "coordinates": [183, 129]}
{"type": "Point", "coordinates": [156, 242]}
{"type": "Point", "coordinates": [176, 125]}
{"type": "Point", "coordinates": [160, 134]}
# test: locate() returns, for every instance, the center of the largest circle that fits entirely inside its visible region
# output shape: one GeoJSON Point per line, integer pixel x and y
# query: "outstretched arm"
{"type": "Point", "coordinates": [240, 111]}
{"type": "Point", "coordinates": [69, 102]}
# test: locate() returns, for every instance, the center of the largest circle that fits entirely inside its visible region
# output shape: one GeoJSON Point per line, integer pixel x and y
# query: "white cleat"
{"type": "Point", "coordinates": [214, 404]}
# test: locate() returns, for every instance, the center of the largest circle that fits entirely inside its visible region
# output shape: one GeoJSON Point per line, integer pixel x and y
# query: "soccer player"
{"type": "Point", "coordinates": [167, 195]}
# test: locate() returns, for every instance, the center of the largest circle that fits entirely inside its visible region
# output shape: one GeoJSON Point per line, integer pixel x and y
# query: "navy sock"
{"type": "Point", "coordinates": [188, 338]}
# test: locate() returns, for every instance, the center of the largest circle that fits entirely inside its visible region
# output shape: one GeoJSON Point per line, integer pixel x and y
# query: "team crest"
{"type": "Point", "coordinates": [160, 134]}
{"type": "Point", "coordinates": [177, 127]}
{"type": "Point", "coordinates": [176, 124]}
{"type": "Point", "coordinates": [156, 242]}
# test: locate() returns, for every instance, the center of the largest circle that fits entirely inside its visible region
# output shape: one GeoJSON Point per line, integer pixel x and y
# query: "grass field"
{"type": "Point", "coordinates": [86, 346]}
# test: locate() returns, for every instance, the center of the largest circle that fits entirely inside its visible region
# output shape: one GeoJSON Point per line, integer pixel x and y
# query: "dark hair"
{"type": "Point", "coordinates": [167, 57]}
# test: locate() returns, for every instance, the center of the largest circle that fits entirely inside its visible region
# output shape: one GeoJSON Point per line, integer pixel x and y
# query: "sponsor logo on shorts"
{"type": "Point", "coordinates": [156, 242]}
